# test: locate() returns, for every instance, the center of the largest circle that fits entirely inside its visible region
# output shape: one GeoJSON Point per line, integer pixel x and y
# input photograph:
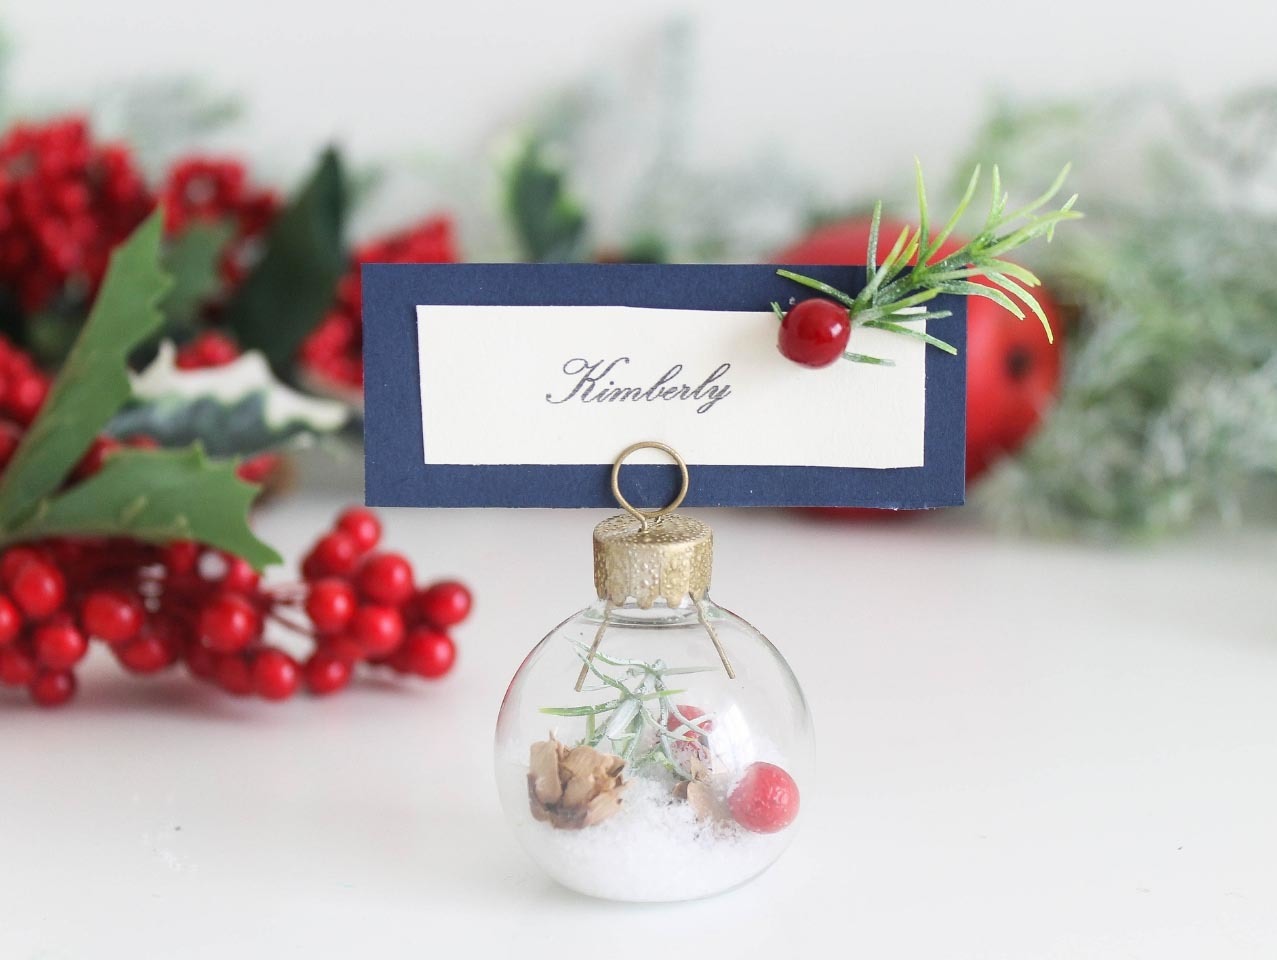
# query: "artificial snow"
{"type": "Point", "coordinates": [653, 849]}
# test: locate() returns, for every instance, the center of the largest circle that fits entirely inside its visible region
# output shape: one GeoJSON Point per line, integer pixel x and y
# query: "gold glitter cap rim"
{"type": "Point", "coordinates": [667, 558]}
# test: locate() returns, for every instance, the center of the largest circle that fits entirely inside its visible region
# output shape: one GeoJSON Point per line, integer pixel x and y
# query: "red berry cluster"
{"type": "Point", "coordinates": [158, 606]}
{"type": "Point", "coordinates": [217, 189]}
{"type": "Point", "coordinates": [334, 350]}
{"type": "Point", "coordinates": [65, 201]}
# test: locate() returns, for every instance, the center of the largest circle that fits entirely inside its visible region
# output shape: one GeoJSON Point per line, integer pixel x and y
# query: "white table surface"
{"type": "Point", "coordinates": [1027, 750]}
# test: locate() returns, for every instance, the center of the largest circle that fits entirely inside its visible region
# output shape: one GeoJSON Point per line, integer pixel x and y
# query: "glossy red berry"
{"type": "Point", "coordinates": [209, 349]}
{"type": "Point", "coordinates": [326, 674]}
{"type": "Point", "coordinates": [444, 604]}
{"type": "Point", "coordinates": [149, 653]}
{"type": "Point", "coordinates": [336, 555]}
{"type": "Point", "coordinates": [14, 559]}
{"type": "Point", "coordinates": [765, 800]}
{"type": "Point", "coordinates": [386, 578]}
{"type": "Point", "coordinates": [201, 661]}
{"type": "Point", "coordinates": [10, 621]}
{"type": "Point", "coordinates": [233, 674]}
{"type": "Point", "coordinates": [26, 395]}
{"type": "Point", "coordinates": [17, 668]}
{"type": "Point", "coordinates": [341, 646]}
{"type": "Point", "coordinates": [52, 688]}
{"type": "Point", "coordinates": [229, 622]}
{"type": "Point", "coordinates": [815, 332]}
{"type": "Point", "coordinates": [378, 630]}
{"type": "Point", "coordinates": [426, 652]}
{"type": "Point", "coordinates": [39, 589]}
{"type": "Point", "coordinates": [59, 645]}
{"type": "Point", "coordinates": [112, 615]}
{"type": "Point", "coordinates": [95, 458]}
{"type": "Point", "coordinates": [181, 557]}
{"type": "Point", "coordinates": [240, 575]}
{"type": "Point", "coordinates": [275, 675]}
{"type": "Point", "coordinates": [330, 604]}
{"type": "Point", "coordinates": [362, 525]}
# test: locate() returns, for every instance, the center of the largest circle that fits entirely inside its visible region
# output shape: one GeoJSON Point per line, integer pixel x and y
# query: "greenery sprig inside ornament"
{"type": "Point", "coordinates": [815, 332]}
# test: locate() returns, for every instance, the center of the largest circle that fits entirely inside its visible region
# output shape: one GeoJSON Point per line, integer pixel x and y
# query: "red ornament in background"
{"type": "Point", "coordinates": [1013, 372]}
{"type": "Point", "coordinates": [65, 202]}
{"type": "Point", "coordinates": [333, 353]}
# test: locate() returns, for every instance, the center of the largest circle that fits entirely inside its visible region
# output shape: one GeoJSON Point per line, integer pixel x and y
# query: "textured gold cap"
{"type": "Point", "coordinates": [667, 558]}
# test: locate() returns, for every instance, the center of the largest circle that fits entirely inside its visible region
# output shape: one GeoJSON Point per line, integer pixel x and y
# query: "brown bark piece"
{"type": "Point", "coordinates": [573, 788]}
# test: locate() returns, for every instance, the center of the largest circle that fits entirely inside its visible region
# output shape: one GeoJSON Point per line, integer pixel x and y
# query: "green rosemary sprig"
{"type": "Point", "coordinates": [893, 296]}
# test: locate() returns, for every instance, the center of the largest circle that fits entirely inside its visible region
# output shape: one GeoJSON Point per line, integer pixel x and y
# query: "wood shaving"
{"type": "Point", "coordinates": [573, 788]}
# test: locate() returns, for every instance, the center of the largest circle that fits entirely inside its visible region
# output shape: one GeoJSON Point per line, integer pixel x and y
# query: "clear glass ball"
{"type": "Point", "coordinates": [664, 778]}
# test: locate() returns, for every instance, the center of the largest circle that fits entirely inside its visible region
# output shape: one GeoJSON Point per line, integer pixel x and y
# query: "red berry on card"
{"type": "Point", "coordinates": [229, 622]}
{"type": "Point", "coordinates": [444, 604]}
{"type": "Point", "coordinates": [362, 525]}
{"type": "Point", "coordinates": [815, 332]}
{"type": "Point", "coordinates": [386, 578]}
{"type": "Point", "coordinates": [326, 674]}
{"type": "Point", "coordinates": [275, 675]}
{"type": "Point", "coordinates": [112, 615]}
{"type": "Point", "coordinates": [53, 688]}
{"type": "Point", "coordinates": [765, 800]}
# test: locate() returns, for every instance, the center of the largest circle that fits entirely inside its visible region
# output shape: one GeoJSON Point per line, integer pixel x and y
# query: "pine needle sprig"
{"type": "Point", "coordinates": [894, 295]}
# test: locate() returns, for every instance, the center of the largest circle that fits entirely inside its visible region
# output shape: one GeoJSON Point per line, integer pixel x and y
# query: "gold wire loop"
{"type": "Point", "coordinates": [646, 516]}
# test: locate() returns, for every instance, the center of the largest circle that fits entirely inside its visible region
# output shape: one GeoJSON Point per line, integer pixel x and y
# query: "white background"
{"type": "Point", "coordinates": [1029, 750]}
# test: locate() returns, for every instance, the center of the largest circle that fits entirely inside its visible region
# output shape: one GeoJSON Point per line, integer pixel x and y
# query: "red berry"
{"type": "Point", "coordinates": [10, 437]}
{"type": "Point", "coordinates": [112, 615]}
{"type": "Point", "coordinates": [378, 630]}
{"type": "Point", "coordinates": [149, 653]}
{"type": "Point", "coordinates": [275, 674]}
{"type": "Point", "coordinates": [330, 604]}
{"type": "Point", "coordinates": [765, 800]}
{"type": "Point", "coordinates": [336, 554]}
{"type": "Point", "coordinates": [815, 332]}
{"type": "Point", "coordinates": [326, 674]}
{"type": "Point", "coordinates": [201, 661]}
{"type": "Point", "coordinates": [426, 652]}
{"type": "Point", "coordinates": [386, 578]}
{"type": "Point", "coordinates": [239, 574]}
{"type": "Point", "coordinates": [94, 459]}
{"type": "Point", "coordinates": [181, 557]}
{"type": "Point", "coordinates": [692, 715]}
{"type": "Point", "coordinates": [341, 646]}
{"type": "Point", "coordinates": [209, 349]}
{"type": "Point", "coordinates": [10, 621]}
{"type": "Point", "coordinates": [362, 525]}
{"type": "Point", "coordinates": [14, 559]}
{"type": "Point", "coordinates": [17, 668]}
{"type": "Point", "coordinates": [39, 589]}
{"type": "Point", "coordinates": [59, 645]}
{"type": "Point", "coordinates": [229, 622]}
{"type": "Point", "coordinates": [444, 604]}
{"type": "Point", "coordinates": [52, 688]}
{"type": "Point", "coordinates": [233, 674]}
{"type": "Point", "coordinates": [25, 396]}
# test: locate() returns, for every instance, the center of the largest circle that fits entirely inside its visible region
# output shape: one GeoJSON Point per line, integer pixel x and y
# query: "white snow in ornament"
{"type": "Point", "coordinates": [653, 849]}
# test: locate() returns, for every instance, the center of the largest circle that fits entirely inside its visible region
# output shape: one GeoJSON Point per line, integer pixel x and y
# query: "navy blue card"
{"type": "Point", "coordinates": [516, 385]}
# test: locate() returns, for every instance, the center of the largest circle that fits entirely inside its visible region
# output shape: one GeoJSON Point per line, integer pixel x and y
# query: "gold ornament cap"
{"type": "Point", "coordinates": [652, 555]}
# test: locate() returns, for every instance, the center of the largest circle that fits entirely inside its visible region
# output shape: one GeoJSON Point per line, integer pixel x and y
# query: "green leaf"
{"type": "Point", "coordinates": [156, 496]}
{"type": "Point", "coordinates": [292, 285]}
{"type": "Point", "coordinates": [865, 358]}
{"type": "Point", "coordinates": [193, 259]}
{"type": "Point", "coordinates": [92, 383]}
{"type": "Point", "coordinates": [817, 285]}
{"type": "Point", "coordinates": [236, 409]}
{"type": "Point", "coordinates": [549, 223]}
{"type": "Point", "coordinates": [910, 332]}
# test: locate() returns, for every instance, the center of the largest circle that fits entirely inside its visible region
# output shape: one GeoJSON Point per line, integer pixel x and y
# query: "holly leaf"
{"type": "Point", "coordinates": [292, 285]}
{"type": "Point", "coordinates": [239, 408]}
{"type": "Point", "coordinates": [548, 221]}
{"type": "Point", "coordinates": [194, 260]}
{"type": "Point", "coordinates": [157, 496]}
{"type": "Point", "coordinates": [92, 384]}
